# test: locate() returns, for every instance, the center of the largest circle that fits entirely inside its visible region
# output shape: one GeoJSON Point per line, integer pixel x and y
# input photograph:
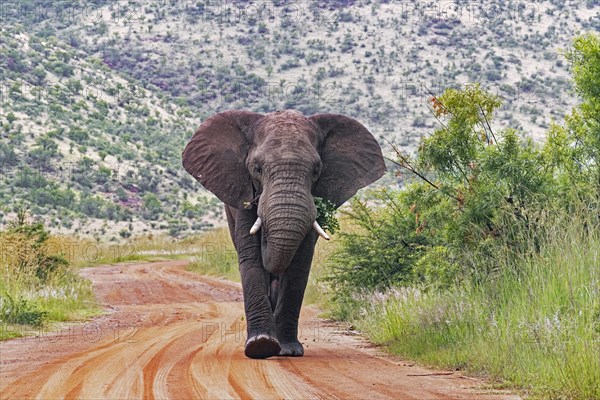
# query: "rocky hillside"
{"type": "Point", "coordinates": [98, 98]}
{"type": "Point", "coordinates": [90, 151]}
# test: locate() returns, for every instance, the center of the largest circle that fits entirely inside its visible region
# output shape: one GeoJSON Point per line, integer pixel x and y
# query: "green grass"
{"type": "Point", "coordinates": [215, 255]}
{"type": "Point", "coordinates": [38, 286]}
{"type": "Point", "coordinates": [316, 290]}
{"type": "Point", "coordinates": [154, 248]}
{"type": "Point", "coordinates": [26, 305]}
{"type": "Point", "coordinates": [534, 326]}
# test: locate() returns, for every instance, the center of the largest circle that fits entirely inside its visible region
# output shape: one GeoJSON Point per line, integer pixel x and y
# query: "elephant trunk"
{"type": "Point", "coordinates": [287, 217]}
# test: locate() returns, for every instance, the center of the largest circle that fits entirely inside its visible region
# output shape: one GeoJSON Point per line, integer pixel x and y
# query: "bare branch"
{"type": "Point", "coordinates": [488, 124]}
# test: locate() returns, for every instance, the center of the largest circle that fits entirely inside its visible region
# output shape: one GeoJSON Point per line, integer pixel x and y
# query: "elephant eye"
{"type": "Point", "coordinates": [258, 169]}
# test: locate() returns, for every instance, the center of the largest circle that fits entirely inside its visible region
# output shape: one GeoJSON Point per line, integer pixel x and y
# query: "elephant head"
{"type": "Point", "coordinates": [279, 161]}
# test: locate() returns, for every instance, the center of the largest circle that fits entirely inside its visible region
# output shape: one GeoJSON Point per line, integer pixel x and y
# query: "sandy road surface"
{"type": "Point", "coordinates": [171, 334]}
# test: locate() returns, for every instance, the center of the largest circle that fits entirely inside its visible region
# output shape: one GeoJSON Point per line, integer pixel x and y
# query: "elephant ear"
{"type": "Point", "coordinates": [216, 156]}
{"type": "Point", "coordinates": [351, 158]}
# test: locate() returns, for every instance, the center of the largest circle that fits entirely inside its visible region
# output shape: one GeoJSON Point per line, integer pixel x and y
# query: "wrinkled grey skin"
{"type": "Point", "coordinates": [271, 166]}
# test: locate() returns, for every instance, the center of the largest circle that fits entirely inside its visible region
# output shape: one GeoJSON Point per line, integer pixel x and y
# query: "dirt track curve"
{"type": "Point", "coordinates": [171, 334]}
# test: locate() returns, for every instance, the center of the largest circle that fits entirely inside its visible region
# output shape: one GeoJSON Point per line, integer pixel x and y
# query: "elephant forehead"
{"type": "Point", "coordinates": [294, 149]}
{"type": "Point", "coordinates": [288, 131]}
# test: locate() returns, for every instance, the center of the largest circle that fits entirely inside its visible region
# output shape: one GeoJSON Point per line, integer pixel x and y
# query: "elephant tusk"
{"type": "Point", "coordinates": [256, 226]}
{"type": "Point", "coordinates": [320, 231]}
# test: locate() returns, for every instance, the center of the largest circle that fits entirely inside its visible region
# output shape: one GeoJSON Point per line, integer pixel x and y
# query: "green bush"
{"type": "Point", "coordinates": [326, 215]}
{"type": "Point", "coordinates": [21, 312]}
{"type": "Point", "coordinates": [32, 256]}
{"type": "Point", "coordinates": [36, 282]}
{"type": "Point", "coordinates": [481, 185]}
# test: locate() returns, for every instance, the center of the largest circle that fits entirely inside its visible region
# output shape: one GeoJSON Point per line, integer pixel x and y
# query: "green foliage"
{"type": "Point", "coordinates": [452, 149]}
{"type": "Point", "coordinates": [32, 257]}
{"type": "Point", "coordinates": [8, 155]}
{"type": "Point", "coordinates": [580, 135]}
{"type": "Point", "coordinates": [476, 190]}
{"type": "Point", "coordinates": [535, 325]}
{"type": "Point", "coordinates": [152, 206]}
{"type": "Point", "coordinates": [488, 260]}
{"type": "Point", "coordinates": [436, 268]}
{"type": "Point", "coordinates": [10, 117]}
{"type": "Point", "coordinates": [37, 284]}
{"type": "Point", "coordinates": [326, 215]}
{"type": "Point", "coordinates": [585, 60]}
{"type": "Point", "coordinates": [479, 186]}
{"type": "Point", "coordinates": [22, 312]}
{"type": "Point", "coordinates": [60, 68]}
{"type": "Point", "coordinates": [379, 251]}
{"type": "Point", "coordinates": [124, 233]}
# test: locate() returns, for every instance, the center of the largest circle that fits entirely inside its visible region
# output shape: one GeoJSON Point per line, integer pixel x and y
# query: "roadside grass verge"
{"type": "Point", "coordinates": [534, 326]}
{"type": "Point", "coordinates": [317, 290]}
{"type": "Point", "coordinates": [215, 255]}
{"type": "Point", "coordinates": [210, 252]}
{"type": "Point", "coordinates": [37, 284]}
{"type": "Point", "coordinates": [86, 252]}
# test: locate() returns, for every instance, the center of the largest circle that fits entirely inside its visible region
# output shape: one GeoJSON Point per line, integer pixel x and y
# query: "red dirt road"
{"type": "Point", "coordinates": [171, 334]}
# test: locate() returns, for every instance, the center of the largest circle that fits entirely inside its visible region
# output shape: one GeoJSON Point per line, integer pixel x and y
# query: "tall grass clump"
{"type": "Point", "coordinates": [535, 324]}
{"type": "Point", "coordinates": [37, 284]}
{"type": "Point", "coordinates": [488, 257]}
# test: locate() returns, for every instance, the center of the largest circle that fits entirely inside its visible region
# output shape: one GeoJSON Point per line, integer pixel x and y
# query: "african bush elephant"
{"type": "Point", "coordinates": [266, 169]}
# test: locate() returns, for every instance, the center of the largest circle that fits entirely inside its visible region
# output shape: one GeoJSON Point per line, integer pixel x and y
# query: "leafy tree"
{"type": "Point", "coordinates": [39, 73]}
{"type": "Point", "coordinates": [152, 206]}
{"type": "Point", "coordinates": [10, 117]}
{"type": "Point", "coordinates": [576, 144]}
{"type": "Point", "coordinates": [121, 194]}
{"type": "Point", "coordinates": [469, 181]}
{"type": "Point", "coordinates": [60, 68]}
{"type": "Point", "coordinates": [33, 255]}
{"type": "Point", "coordinates": [7, 155]}
{"type": "Point", "coordinates": [74, 86]}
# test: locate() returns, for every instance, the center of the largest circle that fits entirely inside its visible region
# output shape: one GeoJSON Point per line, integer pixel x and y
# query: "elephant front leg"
{"type": "Point", "coordinates": [262, 335]}
{"type": "Point", "coordinates": [292, 285]}
{"type": "Point", "coordinates": [261, 332]}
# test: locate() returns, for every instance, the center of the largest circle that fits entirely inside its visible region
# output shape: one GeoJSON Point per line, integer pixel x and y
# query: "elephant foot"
{"type": "Point", "coordinates": [292, 349]}
{"type": "Point", "coordinates": [262, 346]}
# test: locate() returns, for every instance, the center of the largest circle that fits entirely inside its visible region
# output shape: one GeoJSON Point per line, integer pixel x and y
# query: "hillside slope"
{"type": "Point", "coordinates": [378, 61]}
{"type": "Point", "coordinates": [93, 153]}
{"type": "Point", "coordinates": [98, 99]}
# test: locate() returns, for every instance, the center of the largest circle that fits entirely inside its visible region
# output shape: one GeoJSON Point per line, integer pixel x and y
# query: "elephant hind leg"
{"type": "Point", "coordinates": [292, 349]}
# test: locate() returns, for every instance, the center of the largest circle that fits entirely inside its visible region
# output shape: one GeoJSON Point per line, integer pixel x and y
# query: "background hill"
{"type": "Point", "coordinates": [99, 98]}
